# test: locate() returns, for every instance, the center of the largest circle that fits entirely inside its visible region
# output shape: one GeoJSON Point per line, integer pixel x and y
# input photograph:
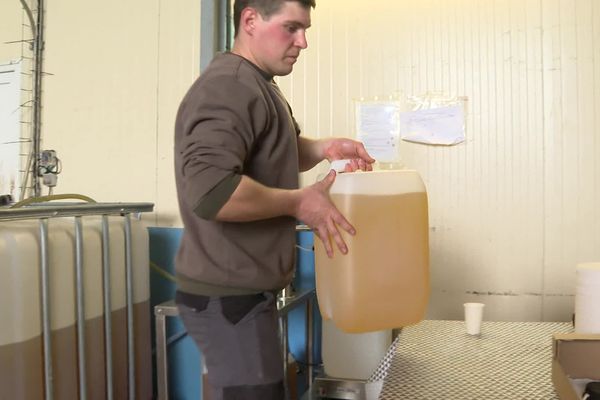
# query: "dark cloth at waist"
{"type": "Point", "coordinates": [193, 287]}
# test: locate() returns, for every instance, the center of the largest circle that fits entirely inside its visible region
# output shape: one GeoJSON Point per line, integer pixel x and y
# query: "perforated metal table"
{"type": "Point", "coordinates": [438, 360]}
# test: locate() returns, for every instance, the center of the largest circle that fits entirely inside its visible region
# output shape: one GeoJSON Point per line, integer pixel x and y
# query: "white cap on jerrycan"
{"type": "Point", "coordinates": [383, 281]}
{"type": "Point", "coordinates": [339, 165]}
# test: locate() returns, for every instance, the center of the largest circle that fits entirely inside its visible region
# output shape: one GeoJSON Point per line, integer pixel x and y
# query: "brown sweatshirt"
{"type": "Point", "coordinates": [234, 121]}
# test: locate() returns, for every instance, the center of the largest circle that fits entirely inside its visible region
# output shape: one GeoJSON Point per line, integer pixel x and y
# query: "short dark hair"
{"type": "Point", "coordinates": [266, 8]}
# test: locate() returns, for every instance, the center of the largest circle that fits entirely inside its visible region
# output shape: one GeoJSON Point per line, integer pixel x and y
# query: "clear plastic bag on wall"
{"type": "Point", "coordinates": [434, 119]}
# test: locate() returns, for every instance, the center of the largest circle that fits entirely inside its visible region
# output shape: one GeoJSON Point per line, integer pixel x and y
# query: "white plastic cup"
{"type": "Point", "coordinates": [473, 317]}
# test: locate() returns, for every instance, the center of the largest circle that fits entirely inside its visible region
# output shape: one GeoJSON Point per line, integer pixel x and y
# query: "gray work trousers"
{"type": "Point", "coordinates": [239, 340]}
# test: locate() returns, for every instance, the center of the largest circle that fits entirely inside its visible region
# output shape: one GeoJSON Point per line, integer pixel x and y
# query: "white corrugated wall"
{"type": "Point", "coordinates": [118, 72]}
{"type": "Point", "coordinates": [515, 207]}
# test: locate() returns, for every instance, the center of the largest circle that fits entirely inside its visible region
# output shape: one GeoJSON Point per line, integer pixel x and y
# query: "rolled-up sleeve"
{"type": "Point", "coordinates": [216, 129]}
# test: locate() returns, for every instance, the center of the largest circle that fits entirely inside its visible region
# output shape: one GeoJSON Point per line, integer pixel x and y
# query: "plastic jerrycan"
{"type": "Point", "coordinates": [383, 280]}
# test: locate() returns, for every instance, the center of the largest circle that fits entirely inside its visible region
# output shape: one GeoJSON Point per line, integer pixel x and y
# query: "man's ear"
{"type": "Point", "coordinates": [248, 19]}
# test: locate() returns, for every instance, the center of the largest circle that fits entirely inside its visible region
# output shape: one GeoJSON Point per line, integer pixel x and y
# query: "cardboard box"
{"type": "Point", "coordinates": [575, 356]}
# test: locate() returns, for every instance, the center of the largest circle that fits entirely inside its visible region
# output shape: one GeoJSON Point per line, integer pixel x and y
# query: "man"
{"type": "Point", "coordinates": [238, 154]}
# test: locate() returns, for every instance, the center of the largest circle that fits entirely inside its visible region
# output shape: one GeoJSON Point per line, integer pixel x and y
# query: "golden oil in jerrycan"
{"type": "Point", "coordinates": [383, 281]}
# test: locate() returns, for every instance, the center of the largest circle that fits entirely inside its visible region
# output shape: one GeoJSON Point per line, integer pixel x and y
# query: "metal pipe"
{"type": "Point", "coordinates": [46, 327]}
{"type": "Point", "coordinates": [129, 285]}
{"type": "Point", "coordinates": [107, 307]}
{"type": "Point", "coordinates": [209, 31]}
{"type": "Point", "coordinates": [30, 17]}
{"type": "Point", "coordinates": [284, 348]}
{"type": "Point", "coordinates": [32, 45]}
{"type": "Point", "coordinates": [37, 93]}
{"type": "Point", "coordinates": [79, 293]}
{"type": "Point", "coordinates": [309, 340]}
{"type": "Point", "coordinates": [161, 356]}
{"type": "Point", "coordinates": [228, 25]}
{"type": "Point", "coordinates": [72, 210]}
{"type": "Point", "coordinates": [26, 175]}
{"type": "Point", "coordinates": [224, 25]}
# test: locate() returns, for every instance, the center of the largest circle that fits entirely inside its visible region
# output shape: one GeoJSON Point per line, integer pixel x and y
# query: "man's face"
{"type": "Point", "coordinates": [278, 40]}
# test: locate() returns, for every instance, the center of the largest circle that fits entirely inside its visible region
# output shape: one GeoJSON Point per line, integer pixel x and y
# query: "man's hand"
{"type": "Point", "coordinates": [313, 151]}
{"type": "Point", "coordinates": [342, 148]}
{"type": "Point", "coordinates": [317, 211]}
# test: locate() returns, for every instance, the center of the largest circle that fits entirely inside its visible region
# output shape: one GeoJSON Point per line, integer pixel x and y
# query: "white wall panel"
{"type": "Point", "coordinates": [117, 72]}
{"type": "Point", "coordinates": [513, 209]}
{"type": "Point", "coordinates": [100, 97]}
{"type": "Point", "coordinates": [572, 174]}
{"type": "Point", "coordinates": [178, 66]}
